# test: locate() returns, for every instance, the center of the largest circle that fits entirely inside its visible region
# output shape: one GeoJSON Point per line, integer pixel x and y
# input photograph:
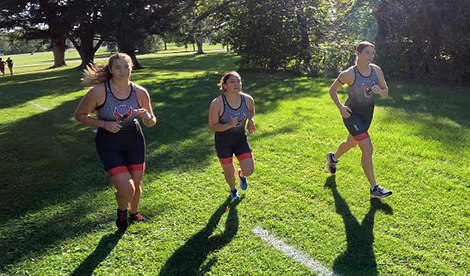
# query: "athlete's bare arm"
{"type": "Point", "coordinates": [345, 77]}
{"type": "Point", "coordinates": [382, 87]}
{"type": "Point", "coordinates": [145, 112]}
{"type": "Point", "coordinates": [250, 102]}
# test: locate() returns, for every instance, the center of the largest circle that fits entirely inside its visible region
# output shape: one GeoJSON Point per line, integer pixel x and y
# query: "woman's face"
{"type": "Point", "coordinates": [120, 69]}
{"type": "Point", "coordinates": [367, 54]}
{"type": "Point", "coordinates": [233, 84]}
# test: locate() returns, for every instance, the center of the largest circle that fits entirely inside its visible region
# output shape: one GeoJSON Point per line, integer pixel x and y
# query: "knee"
{"type": "Point", "coordinates": [127, 192]}
{"type": "Point", "coordinates": [248, 171]}
{"type": "Point", "coordinates": [351, 143]}
{"type": "Point", "coordinates": [137, 184]}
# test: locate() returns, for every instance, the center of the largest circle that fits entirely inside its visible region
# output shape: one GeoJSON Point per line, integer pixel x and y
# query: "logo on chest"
{"type": "Point", "coordinates": [367, 88]}
{"type": "Point", "coordinates": [122, 112]}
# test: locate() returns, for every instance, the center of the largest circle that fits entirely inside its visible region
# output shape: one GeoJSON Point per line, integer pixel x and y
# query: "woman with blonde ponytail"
{"type": "Point", "coordinates": [120, 142]}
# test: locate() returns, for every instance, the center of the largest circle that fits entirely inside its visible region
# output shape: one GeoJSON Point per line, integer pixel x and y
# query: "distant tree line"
{"type": "Point", "coordinates": [414, 38]}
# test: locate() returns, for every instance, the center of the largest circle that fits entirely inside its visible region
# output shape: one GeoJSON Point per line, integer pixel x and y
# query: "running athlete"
{"type": "Point", "coordinates": [119, 141]}
{"type": "Point", "coordinates": [10, 65]}
{"type": "Point", "coordinates": [228, 115]}
{"type": "Point", "coordinates": [2, 67]}
{"type": "Point", "coordinates": [365, 80]}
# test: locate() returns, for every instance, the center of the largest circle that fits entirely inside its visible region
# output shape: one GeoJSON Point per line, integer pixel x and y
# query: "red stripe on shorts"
{"type": "Point", "coordinates": [136, 167]}
{"type": "Point", "coordinates": [361, 136]}
{"type": "Point", "coordinates": [117, 170]}
{"type": "Point", "coordinates": [225, 161]}
{"type": "Point", "coordinates": [244, 156]}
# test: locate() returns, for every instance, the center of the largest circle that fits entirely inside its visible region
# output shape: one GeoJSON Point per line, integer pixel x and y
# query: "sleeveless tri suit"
{"type": "Point", "coordinates": [233, 140]}
{"type": "Point", "coordinates": [361, 102]}
{"type": "Point", "coordinates": [123, 151]}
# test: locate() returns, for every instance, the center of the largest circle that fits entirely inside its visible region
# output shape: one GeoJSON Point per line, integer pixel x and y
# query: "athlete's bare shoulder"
{"type": "Point", "coordinates": [99, 88]}
{"type": "Point", "coordinates": [376, 67]}
{"type": "Point", "coordinates": [140, 89]}
{"type": "Point", "coordinates": [347, 76]}
{"type": "Point", "coordinates": [248, 97]}
{"type": "Point", "coordinates": [97, 91]}
{"type": "Point", "coordinates": [218, 102]}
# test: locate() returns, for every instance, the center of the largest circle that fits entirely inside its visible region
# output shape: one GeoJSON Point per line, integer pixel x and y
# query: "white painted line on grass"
{"type": "Point", "coordinates": [39, 106]}
{"type": "Point", "coordinates": [290, 251]}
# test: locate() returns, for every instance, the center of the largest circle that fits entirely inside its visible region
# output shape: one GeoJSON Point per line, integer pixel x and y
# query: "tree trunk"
{"type": "Point", "coordinates": [198, 40]}
{"type": "Point", "coordinates": [58, 49]}
{"type": "Point", "coordinates": [86, 48]}
{"type": "Point", "coordinates": [136, 63]}
{"type": "Point", "coordinates": [165, 45]}
{"type": "Point", "coordinates": [125, 45]}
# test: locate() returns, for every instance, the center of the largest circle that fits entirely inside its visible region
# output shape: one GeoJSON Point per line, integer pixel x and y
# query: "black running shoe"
{"type": "Point", "coordinates": [379, 192]}
{"type": "Point", "coordinates": [331, 163]}
{"type": "Point", "coordinates": [121, 220]}
{"type": "Point", "coordinates": [138, 218]}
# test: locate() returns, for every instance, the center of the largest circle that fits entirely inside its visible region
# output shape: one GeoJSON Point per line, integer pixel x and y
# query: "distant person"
{"type": "Point", "coordinates": [119, 141]}
{"type": "Point", "coordinates": [10, 65]}
{"type": "Point", "coordinates": [364, 80]}
{"type": "Point", "coordinates": [228, 117]}
{"type": "Point", "coordinates": [2, 67]}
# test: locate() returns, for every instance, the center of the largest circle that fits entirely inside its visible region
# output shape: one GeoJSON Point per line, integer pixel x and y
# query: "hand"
{"type": "Point", "coordinates": [143, 114]}
{"type": "Point", "coordinates": [112, 127]}
{"type": "Point", "coordinates": [251, 127]}
{"type": "Point", "coordinates": [376, 89]}
{"type": "Point", "coordinates": [345, 111]}
{"type": "Point", "coordinates": [233, 122]}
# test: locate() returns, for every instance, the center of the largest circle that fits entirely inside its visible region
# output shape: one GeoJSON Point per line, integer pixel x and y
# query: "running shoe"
{"type": "Point", "coordinates": [138, 218]}
{"type": "Point", "coordinates": [121, 220]}
{"type": "Point", "coordinates": [242, 181]}
{"type": "Point", "coordinates": [234, 194]}
{"type": "Point", "coordinates": [379, 192]}
{"type": "Point", "coordinates": [331, 163]}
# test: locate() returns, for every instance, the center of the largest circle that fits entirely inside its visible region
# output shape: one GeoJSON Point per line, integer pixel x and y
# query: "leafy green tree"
{"type": "Point", "coordinates": [129, 22]}
{"type": "Point", "coordinates": [425, 38]}
{"type": "Point", "coordinates": [39, 19]}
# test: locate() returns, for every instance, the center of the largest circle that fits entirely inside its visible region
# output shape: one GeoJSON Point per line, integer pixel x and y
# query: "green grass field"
{"type": "Point", "coordinates": [57, 208]}
{"type": "Point", "coordinates": [72, 56]}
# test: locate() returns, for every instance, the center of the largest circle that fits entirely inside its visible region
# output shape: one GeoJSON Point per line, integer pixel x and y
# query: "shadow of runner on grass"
{"type": "Point", "coordinates": [188, 259]}
{"type": "Point", "coordinates": [359, 258]}
{"type": "Point", "coordinates": [102, 250]}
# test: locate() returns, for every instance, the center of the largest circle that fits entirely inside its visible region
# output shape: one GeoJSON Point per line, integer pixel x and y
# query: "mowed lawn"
{"type": "Point", "coordinates": [57, 208]}
{"type": "Point", "coordinates": [72, 56]}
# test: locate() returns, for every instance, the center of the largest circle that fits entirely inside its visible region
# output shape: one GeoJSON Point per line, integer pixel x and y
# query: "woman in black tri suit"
{"type": "Point", "coordinates": [228, 116]}
{"type": "Point", "coordinates": [364, 80]}
{"type": "Point", "coordinates": [119, 141]}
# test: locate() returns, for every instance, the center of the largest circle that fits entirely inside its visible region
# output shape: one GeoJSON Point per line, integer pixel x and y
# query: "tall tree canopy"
{"type": "Point", "coordinates": [39, 19]}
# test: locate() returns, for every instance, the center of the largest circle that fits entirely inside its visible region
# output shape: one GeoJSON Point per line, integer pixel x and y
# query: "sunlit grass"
{"type": "Point", "coordinates": [57, 207]}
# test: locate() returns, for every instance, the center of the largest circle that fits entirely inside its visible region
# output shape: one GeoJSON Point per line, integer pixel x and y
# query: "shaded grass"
{"type": "Point", "coordinates": [57, 207]}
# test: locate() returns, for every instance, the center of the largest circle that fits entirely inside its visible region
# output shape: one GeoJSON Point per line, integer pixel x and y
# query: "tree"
{"type": "Point", "coordinates": [266, 34]}
{"type": "Point", "coordinates": [87, 24]}
{"type": "Point", "coordinates": [39, 19]}
{"type": "Point", "coordinates": [425, 39]}
{"type": "Point", "coordinates": [129, 22]}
